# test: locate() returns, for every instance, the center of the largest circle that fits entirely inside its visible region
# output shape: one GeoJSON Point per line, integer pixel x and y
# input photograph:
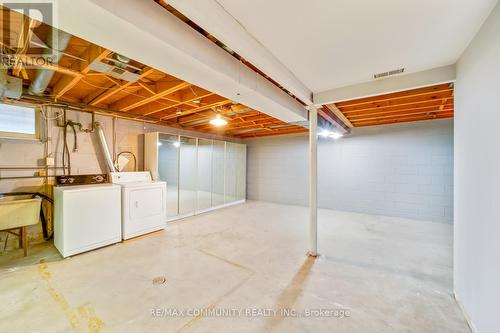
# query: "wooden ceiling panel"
{"type": "Point", "coordinates": [434, 102]}
{"type": "Point", "coordinates": [157, 95]}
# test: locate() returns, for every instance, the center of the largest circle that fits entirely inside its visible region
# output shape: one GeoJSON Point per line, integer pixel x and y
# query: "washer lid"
{"type": "Point", "coordinates": [131, 177]}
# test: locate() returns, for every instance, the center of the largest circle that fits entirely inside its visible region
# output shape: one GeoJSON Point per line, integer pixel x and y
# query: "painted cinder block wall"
{"type": "Point", "coordinates": [400, 170]}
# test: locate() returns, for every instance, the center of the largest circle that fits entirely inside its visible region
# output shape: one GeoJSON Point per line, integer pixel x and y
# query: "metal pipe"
{"type": "Point", "coordinates": [24, 177]}
{"type": "Point", "coordinates": [104, 147]}
{"type": "Point", "coordinates": [313, 182]}
{"type": "Point", "coordinates": [57, 40]}
{"type": "Point", "coordinates": [29, 167]}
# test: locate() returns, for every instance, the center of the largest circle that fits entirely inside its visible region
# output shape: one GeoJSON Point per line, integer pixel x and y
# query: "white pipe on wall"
{"type": "Point", "coordinates": [313, 182]}
{"type": "Point", "coordinates": [104, 147]}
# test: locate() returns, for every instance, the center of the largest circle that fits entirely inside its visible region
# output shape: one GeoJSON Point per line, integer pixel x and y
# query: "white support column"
{"type": "Point", "coordinates": [313, 181]}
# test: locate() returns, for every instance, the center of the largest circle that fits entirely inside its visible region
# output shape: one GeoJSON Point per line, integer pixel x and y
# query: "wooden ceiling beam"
{"type": "Point", "coordinates": [396, 115]}
{"type": "Point", "coordinates": [144, 96]}
{"type": "Point", "coordinates": [398, 95]}
{"type": "Point", "coordinates": [182, 99]}
{"type": "Point", "coordinates": [200, 108]}
{"type": "Point", "coordinates": [101, 95]}
{"type": "Point", "coordinates": [419, 105]}
{"type": "Point", "coordinates": [440, 115]}
{"type": "Point", "coordinates": [402, 101]}
{"type": "Point", "coordinates": [355, 116]}
{"type": "Point", "coordinates": [66, 83]}
{"type": "Point", "coordinates": [332, 107]}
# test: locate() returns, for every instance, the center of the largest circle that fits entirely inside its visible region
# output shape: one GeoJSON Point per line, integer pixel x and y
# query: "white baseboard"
{"type": "Point", "coordinates": [467, 318]}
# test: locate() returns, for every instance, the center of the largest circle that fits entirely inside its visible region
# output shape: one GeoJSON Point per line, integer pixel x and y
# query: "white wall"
{"type": "Point", "coordinates": [400, 170]}
{"type": "Point", "coordinates": [477, 178]}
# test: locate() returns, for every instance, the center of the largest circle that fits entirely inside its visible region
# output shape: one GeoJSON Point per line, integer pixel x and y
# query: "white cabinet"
{"type": "Point", "coordinates": [202, 174]}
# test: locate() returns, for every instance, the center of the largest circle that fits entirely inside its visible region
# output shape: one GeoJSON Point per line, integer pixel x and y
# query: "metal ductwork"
{"type": "Point", "coordinates": [104, 147]}
{"type": "Point", "coordinates": [57, 47]}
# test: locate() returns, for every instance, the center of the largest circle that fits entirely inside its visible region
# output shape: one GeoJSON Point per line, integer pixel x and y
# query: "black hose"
{"type": "Point", "coordinates": [75, 141]}
{"type": "Point", "coordinates": [66, 158]}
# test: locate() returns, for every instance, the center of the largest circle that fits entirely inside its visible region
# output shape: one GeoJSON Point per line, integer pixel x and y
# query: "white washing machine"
{"type": "Point", "coordinates": [144, 203]}
{"type": "Point", "coordinates": [86, 216]}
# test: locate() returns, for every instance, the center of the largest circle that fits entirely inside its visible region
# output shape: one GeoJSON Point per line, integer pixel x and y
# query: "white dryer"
{"type": "Point", "coordinates": [144, 203]}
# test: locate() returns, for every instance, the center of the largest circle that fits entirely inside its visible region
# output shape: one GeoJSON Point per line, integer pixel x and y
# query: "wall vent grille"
{"type": "Point", "coordinates": [389, 73]}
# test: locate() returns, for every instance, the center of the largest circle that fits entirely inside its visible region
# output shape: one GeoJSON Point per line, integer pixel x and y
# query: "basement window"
{"type": "Point", "coordinates": [18, 122]}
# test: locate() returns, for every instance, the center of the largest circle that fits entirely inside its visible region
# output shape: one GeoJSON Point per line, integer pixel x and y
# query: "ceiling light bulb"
{"type": "Point", "coordinates": [325, 133]}
{"type": "Point", "coordinates": [336, 135]}
{"type": "Point", "coordinates": [218, 121]}
{"type": "Point", "coordinates": [159, 144]}
{"type": "Point", "coordinates": [176, 144]}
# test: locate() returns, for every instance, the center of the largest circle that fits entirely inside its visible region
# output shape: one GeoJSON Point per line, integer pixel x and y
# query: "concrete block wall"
{"type": "Point", "coordinates": [400, 170]}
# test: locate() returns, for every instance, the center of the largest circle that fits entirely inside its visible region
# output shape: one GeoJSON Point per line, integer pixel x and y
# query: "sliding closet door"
{"type": "Point", "coordinates": [168, 170]}
{"type": "Point", "coordinates": [218, 173]}
{"type": "Point", "coordinates": [187, 176]}
{"type": "Point", "coordinates": [231, 172]}
{"type": "Point", "coordinates": [204, 180]}
{"type": "Point", "coordinates": [241, 177]}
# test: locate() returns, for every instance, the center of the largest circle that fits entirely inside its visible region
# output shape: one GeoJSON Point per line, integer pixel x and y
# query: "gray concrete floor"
{"type": "Point", "coordinates": [390, 274]}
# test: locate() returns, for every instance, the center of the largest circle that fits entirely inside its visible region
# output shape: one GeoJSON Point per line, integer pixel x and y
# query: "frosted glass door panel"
{"type": "Point", "coordinates": [187, 176]}
{"type": "Point", "coordinates": [231, 172]}
{"type": "Point", "coordinates": [168, 170]}
{"type": "Point", "coordinates": [242, 172]}
{"type": "Point", "coordinates": [204, 181]}
{"type": "Point", "coordinates": [218, 173]}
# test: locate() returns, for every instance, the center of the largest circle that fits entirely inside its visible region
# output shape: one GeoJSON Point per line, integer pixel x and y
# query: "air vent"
{"type": "Point", "coordinates": [114, 71]}
{"type": "Point", "coordinates": [118, 71]}
{"type": "Point", "coordinates": [389, 73]}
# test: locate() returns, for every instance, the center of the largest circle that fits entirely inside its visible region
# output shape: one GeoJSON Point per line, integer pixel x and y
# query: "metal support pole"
{"type": "Point", "coordinates": [313, 182]}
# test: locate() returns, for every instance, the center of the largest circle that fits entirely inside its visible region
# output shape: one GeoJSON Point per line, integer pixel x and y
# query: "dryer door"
{"type": "Point", "coordinates": [146, 202]}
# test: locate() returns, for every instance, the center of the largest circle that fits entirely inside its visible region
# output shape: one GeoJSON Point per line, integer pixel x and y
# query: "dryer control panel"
{"type": "Point", "coordinates": [81, 179]}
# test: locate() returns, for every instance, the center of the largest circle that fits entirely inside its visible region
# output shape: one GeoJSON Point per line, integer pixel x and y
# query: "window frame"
{"type": "Point", "coordinates": [16, 135]}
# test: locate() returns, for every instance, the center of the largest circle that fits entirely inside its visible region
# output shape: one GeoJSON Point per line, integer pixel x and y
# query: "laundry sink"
{"type": "Point", "coordinates": [17, 212]}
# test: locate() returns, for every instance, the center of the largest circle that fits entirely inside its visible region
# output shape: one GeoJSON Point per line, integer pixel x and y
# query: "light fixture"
{"type": "Point", "coordinates": [325, 133]}
{"type": "Point", "coordinates": [176, 144]}
{"type": "Point", "coordinates": [159, 144]}
{"type": "Point", "coordinates": [218, 121]}
{"type": "Point", "coordinates": [330, 134]}
{"type": "Point", "coordinates": [336, 135]}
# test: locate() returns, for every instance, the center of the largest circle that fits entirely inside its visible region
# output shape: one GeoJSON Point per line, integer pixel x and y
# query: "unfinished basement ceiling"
{"type": "Point", "coordinates": [329, 44]}
{"type": "Point", "coordinates": [150, 95]}
{"type": "Point", "coordinates": [428, 103]}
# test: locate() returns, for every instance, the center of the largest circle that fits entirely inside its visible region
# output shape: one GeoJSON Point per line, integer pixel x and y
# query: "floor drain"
{"type": "Point", "coordinates": [159, 280]}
